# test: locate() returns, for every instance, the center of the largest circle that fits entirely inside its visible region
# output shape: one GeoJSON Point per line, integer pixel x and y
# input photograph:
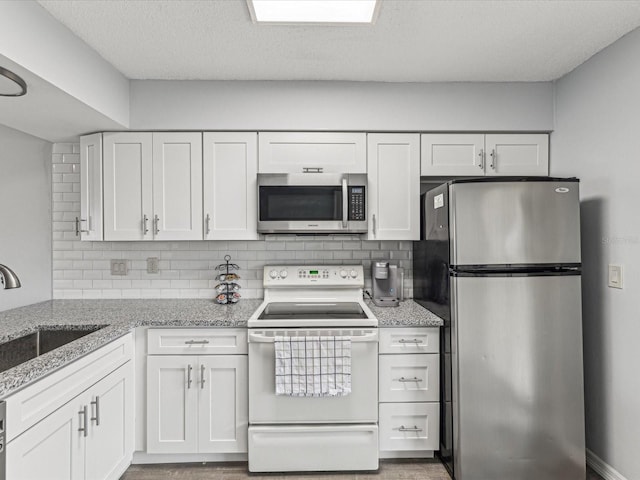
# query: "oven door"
{"type": "Point", "coordinates": [310, 203]}
{"type": "Point", "coordinates": [360, 406]}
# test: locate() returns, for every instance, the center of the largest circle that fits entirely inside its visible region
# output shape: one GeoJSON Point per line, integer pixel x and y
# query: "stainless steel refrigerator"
{"type": "Point", "coordinates": [499, 261]}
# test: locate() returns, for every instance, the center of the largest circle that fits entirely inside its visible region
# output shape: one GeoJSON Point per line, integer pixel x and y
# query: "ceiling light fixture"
{"type": "Point", "coordinates": [11, 85]}
{"type": "Point", "coordinates": [333, 12]}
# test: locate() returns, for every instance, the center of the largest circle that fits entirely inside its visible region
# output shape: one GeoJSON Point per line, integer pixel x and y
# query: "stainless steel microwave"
{"type": "Point", "coordinates": [312, 203]}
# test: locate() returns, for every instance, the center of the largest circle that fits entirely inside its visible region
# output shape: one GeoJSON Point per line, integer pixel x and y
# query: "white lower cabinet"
{"type": "Point", "coordinates": [409, 392]}
{"type": "Point", "coordinates": [88, 438]}
{"type": "Point", "coordinates": [409, 426]}
{"type": "Point", "coordinates": [197, 404]}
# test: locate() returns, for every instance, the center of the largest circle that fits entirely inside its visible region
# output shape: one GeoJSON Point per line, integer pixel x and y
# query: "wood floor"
{"type": "Point", "coordinates": [389, 470]}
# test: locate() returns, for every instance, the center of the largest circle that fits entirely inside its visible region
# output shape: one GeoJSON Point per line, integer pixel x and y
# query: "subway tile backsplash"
{"type": "Point", "coordinates": [186, 269]}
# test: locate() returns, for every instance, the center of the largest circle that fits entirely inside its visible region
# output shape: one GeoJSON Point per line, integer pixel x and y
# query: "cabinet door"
{"type": "Point", "coordinates": [91, 187]}
{"type": "Point", "coordinates": [452, 154]}
{"type": "Point", "coordinates": [172, 404]}
{"type": "Point", "coordinates": [223, 411]}
{"type": "Point", "coordinates": [109, 445]}
{"type": "Point", "coordinates": [517, 154]}
{"type": "Point", "coordinates": [177, 186]}
{"type": "Point", "coordinates": [51, 449]}
{"type": "Point", "coordinates": [311, 152]}
{"type": "Point", "coordinates": [393, 164]}
{"type": "Point", "coordinates": [230, 186]}
{"type": "Point", "coordinates": [127, 186]}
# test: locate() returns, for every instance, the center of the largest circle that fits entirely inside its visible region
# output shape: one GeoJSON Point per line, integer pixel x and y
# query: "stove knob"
{"type": "Point", "coordinates": [283, 273]}
{"type": "Point", "coordinates": [343, 273]}
{"type": "Point", "coordinates": [273, 274]}
{"type": "Point", "coordinates": [353, 273]}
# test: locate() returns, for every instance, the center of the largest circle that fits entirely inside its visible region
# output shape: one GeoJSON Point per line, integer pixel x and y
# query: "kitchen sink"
{"type": "Point", "coordinates": [27, 347]}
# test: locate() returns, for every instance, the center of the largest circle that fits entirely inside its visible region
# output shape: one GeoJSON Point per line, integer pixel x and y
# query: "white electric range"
{"type": "Point", "coordinates": [288, 433]}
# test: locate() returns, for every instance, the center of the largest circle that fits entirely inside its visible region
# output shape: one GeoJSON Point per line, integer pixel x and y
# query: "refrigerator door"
{"type": "Point", "coordinates": [514, 223]}
{"type": "Point", "coordinates": [517, 378]}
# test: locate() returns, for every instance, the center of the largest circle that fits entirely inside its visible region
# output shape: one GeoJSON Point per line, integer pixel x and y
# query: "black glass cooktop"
{"type": "Point", "coordinates": [312, 311]}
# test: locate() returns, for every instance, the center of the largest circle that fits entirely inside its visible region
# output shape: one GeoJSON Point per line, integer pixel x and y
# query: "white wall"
{"type": "Point", "coordinates": [32, 38]}
{"type": "Point", "coordinates": [25, 216]}
{"type": "Point", "coordinates": [597, 138]}
{"type": "Point", "coordinates": [340, 106]}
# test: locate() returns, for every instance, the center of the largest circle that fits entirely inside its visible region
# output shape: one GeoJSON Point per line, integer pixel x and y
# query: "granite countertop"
{"type": "Point", "coordinates": [118, 317]}
{"type": "Point", "coordinates": [407, 314]}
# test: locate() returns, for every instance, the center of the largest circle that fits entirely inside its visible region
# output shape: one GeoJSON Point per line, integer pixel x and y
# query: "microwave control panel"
{"type": "Point", "coordinates": [357, 203]}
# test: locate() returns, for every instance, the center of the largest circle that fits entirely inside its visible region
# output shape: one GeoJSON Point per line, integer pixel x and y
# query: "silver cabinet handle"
{"type": "Point", "coordinates": [311, 169]}
{"type": "Point", "coordinates": [96, 402]}
{"type": "Point", "coordinates": [156, 225]}
{"type": "Point", "coordinates": [409, 429]}
{"type": "Point", "coordinates": [481, 155]}
{"type": "Point", "coordinates": [407, 380]}
{"type": "Point", "coordinates": [494, 159]}
{"type": "Point", "coordinates": [415, 341]}
{"type": "Point", "coordinates": [201, 376]}
{"type": "Point", "coordinates": [189, 380]}
{"type": "Point", "coordinates": [207, 222]}
{"type": "Point", "coordinates": [78, 226]}
{"type": "Point", "coordinates": [373, 219]}
{"type": "Point", "coordinates": [83, 421]}
{"type": "Point", "coordinates": [196, 342]}
{"type": "Point", "coordinates": [145, 228]}
{"type": "Point", "coordinates": [345, 203]}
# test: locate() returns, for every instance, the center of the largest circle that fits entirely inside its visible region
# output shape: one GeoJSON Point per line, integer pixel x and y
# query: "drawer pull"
{"type": "Point", "coordinates": [405, 380]}
{"type": "Point", "coordinates": [409, 429]}
{"type": "Point", "coordinates": [196, 342]}
{"type": "Point", "coordinates": [415, 341]}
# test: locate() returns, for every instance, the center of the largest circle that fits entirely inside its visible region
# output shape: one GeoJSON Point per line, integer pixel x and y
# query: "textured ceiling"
{"type": "Point", "coordinates": [412, 41]}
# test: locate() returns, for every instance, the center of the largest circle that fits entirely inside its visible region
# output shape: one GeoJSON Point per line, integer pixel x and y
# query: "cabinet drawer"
{"type": "Point", "coordinates": [409, 378]}
{"type": "Point", "coordinates": [410, 340]}
{"type": "Point", "coordinates": [196, 341]}
{"type": "Point", "coordinates": [409, 426]}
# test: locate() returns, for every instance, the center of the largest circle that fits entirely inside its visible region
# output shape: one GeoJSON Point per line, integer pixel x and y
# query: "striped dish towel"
{"type": "Point", "coordinates": [313, 366]}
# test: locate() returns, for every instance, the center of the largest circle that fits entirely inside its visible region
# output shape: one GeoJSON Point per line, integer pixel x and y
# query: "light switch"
{"type": "Point", "coordinates": [615, 276]}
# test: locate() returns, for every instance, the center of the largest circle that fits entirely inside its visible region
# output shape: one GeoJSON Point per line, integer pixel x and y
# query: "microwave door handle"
{"type": "Point", "coordinates": [345, 203]}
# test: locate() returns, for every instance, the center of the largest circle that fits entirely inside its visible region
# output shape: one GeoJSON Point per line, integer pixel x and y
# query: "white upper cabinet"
{"type": "Point", "coordinates": [448, 155]}
{"type": "Point", "coordinates": [394, 186]}
{"type": "Point", "coordinates": [153, 186]}
{"type": "Point", "coordinates": [230, 185]}
{"type": "Point", "coordinates": [89, 224]}
{"type": "Point", "coordinates": [177, 186]}
{"type": "Point", "coordinates": [312, 152]}
{"type": "Point", "coordinates": [128, 198]}
{"type": "Point", "coordinates": [517, 154]}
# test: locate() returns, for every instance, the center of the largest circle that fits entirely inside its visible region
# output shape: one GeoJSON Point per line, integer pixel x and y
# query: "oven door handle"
{"type": "Point", "coordinates": [261, 338]}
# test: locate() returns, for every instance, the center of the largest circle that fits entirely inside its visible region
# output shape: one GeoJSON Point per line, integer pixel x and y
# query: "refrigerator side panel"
{"type": "Point", "coordinates": [518, 383]}
{"type": "Point", "coordinates": [515, 223]}
{"type": "Point", "coordinates": [431, 254]}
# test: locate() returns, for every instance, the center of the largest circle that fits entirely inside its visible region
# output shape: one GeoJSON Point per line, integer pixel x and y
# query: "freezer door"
{"type": "Point", "coordinates": [507, 223]}
{"type": "Point", "coordinates": [517, 378]}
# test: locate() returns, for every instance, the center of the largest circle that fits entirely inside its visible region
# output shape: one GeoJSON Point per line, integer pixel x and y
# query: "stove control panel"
{"type": "Point", "coordinates": [302, 275]}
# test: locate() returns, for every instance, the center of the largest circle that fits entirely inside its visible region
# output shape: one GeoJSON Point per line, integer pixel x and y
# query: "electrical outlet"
{"type": "Point", "coordinates": [615, 276]}
{"type": "Point", "coordinates": [119, 267]}
{"type": "Point", "coordinates": [153, 265]}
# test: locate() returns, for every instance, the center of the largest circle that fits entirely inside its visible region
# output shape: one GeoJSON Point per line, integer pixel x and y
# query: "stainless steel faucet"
{"type": "Point", "coordinates": [8, 278]}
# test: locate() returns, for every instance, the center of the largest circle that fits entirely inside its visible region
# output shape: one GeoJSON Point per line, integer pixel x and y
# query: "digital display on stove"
{"type": "Point", "coordinates": [313, 272]}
